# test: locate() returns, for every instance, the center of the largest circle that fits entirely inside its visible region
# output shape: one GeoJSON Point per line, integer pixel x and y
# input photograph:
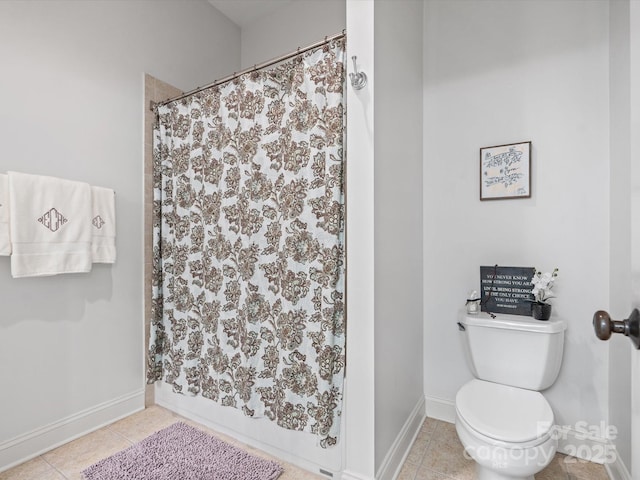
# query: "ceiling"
{"type": "Point", "coordinates": [244, 12]}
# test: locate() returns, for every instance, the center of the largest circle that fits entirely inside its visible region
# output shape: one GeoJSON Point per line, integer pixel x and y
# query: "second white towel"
{"type": "Point", "coordinates": [103, 225]}
{"type": "Point", "coordinates": [5, 236]}
{"type": "Point", "coordinates": [50, 225]}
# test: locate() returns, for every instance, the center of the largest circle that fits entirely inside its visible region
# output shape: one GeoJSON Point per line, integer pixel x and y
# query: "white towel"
{"type": "Point", "coordinates": [50, 225]}
{"type": "Point", "coordinates": [103, 225]}
{"type": "Point", "coordinates": [5, 236]}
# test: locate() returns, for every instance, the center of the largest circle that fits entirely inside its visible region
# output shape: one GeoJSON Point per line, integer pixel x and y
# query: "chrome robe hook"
{"type": "Point", "coordinates": [358, 79]}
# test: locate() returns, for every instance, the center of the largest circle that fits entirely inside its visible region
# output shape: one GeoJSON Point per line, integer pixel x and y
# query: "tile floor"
{"type": "Point", "coordinates": [67, 461]}
{"type": "Point", "coordinates": [435, 455]}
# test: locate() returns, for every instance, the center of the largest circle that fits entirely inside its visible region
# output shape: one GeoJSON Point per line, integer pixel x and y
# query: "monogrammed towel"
{"type": "Point", "coordinates": [50, 225]}
{"type": "Point", "coordinates": [103, 225]}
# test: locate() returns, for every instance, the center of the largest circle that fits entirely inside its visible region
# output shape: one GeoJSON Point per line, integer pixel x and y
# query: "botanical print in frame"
{"type": "Point", "coordinates": [505, 171]}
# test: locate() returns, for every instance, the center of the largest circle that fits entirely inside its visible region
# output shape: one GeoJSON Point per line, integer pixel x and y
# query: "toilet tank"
{"type": "Point", "coordinates": [513, 350]}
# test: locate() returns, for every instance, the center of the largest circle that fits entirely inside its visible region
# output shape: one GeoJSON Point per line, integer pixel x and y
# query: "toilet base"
{"type": "Point", "coordinates": [483, 473]}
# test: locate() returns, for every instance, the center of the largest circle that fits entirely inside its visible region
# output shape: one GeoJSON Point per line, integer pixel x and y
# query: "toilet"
{"type": "Point", "coordinates": [503, 421]}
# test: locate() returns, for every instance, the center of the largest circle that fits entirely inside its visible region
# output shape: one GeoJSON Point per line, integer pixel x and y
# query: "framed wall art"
{"type": "Point", "coordinates": [505, 171]}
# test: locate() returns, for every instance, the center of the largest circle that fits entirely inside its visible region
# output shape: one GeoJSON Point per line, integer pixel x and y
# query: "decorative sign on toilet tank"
{"type": "Point", "coordinates": [506, 289]}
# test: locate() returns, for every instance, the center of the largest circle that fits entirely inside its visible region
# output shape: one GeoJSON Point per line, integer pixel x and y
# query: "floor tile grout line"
{"type": "Point", "coordinates": [426, 447]}
{"type": "Point", "coordinates": [53, 466]}
{"type": "Point", "coordinates": [417, 466]}
{"type": "Point", "coordinates": [437, 471]}
{"type": "Point", "coordinates": [436, 427]}
{"type": "Point", "coordinates": [432, 435]}
{"type": "Point", "coordinates": [131, 442]}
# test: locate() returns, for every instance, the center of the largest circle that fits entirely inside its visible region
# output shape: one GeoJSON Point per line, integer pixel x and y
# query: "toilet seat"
{"type": "Point", "coordinates": [503, 413]}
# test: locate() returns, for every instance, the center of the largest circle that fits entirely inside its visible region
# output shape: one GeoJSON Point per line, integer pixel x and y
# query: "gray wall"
{"type": "Point", "coordinates": [634, 74]}
{"type": "Point", "coordinates": [397, 219]}
{"type": "Point", "coordinates": [71, 89]}
{"type": "Point", "coordinates": [500, 72]}
{"type": "Point", "coordinates": [621, 221]}
{"type": "Point", "coordinates": [294, 25]}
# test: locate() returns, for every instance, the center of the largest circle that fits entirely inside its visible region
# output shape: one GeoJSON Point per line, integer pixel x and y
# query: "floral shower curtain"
{"type": "Point", "coordinates": [248, 288]}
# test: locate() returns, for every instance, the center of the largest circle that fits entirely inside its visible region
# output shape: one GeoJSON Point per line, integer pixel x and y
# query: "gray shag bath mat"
{"type": "Point", "coordinates": [181, 452]}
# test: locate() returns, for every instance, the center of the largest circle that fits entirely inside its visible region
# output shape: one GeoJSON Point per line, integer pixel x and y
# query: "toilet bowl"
{"type": "Point", "coordinates": [507, 431]}
{"type": "Point", "coordinates": [503, 421]}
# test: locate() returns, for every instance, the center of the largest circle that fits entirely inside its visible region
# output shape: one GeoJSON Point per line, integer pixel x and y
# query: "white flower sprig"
{"type": "Point", "coordinates": [542, 285]}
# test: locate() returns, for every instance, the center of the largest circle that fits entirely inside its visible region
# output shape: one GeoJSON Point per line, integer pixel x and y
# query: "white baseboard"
{"type": "Point", "coordinates": [346, 475]}
{"type": "Point", "coordinates": [440, 409]}
{"type": "Point", "coordinates": [581, 445]}
{"type": "Point", "coordinates": [399, 450]}
{"type": "Point", "coordinates": [593, 449]}
{"type": "Point", "coordinates": [36, 442]}
{"type": "Point", "coordinates": [617, 470]}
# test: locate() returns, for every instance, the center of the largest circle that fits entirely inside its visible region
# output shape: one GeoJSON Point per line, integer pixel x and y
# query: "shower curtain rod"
{"type": "Point", "coordinates": [256, 67]}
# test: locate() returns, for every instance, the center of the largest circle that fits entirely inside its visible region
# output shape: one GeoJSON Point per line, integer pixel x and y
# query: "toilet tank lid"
{"type": "Point", "coordinates": [514, 322]}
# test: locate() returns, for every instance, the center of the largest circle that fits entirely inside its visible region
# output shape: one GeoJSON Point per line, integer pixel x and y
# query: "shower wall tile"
{"type": "Point", "coordinates": [149, 85]}
{"type": "Point", "coordinates": [148, 134]}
